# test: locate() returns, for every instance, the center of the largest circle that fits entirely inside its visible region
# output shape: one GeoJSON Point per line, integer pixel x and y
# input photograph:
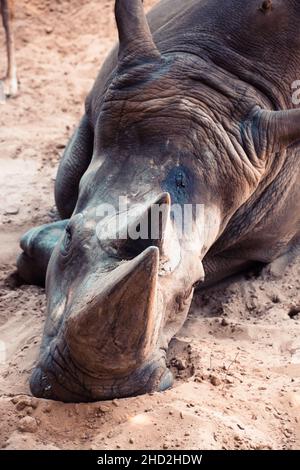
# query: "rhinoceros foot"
{"type": "Point", "coordinates": [37, 245]}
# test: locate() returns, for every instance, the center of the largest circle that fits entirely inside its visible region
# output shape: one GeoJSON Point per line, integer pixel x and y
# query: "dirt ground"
{"type": "Point", "coordinates": [237, 359]}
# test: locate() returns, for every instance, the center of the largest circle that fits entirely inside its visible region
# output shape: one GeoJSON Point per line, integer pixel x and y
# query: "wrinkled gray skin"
{"type": "Point", "coordinates": [199, 112]}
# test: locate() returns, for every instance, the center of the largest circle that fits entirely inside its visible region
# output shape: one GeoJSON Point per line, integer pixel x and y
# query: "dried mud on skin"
{"type": "Point", "coordinates": [236, 360]}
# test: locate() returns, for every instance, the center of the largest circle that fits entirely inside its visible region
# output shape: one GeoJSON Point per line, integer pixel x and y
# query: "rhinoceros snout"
{"type": "Point", "coordinates": [109, 344]}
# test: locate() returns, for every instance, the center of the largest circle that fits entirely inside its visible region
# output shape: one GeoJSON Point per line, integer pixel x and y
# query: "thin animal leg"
{"type": "Point", "coordinates": [10, 84]}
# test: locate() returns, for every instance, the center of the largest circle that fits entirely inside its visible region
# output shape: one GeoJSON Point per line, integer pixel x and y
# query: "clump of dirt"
{"type": "Point", "coordinates": [237, 358]}
{"type": "Point", "coordinates": [182, 360]}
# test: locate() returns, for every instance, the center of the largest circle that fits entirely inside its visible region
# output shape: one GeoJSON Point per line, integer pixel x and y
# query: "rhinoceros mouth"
{"type": "Point", "coordinates": [58, 379]}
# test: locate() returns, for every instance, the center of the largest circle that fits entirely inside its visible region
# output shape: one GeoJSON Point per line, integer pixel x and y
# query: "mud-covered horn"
{"type": "Point", "coordinates": [117, 329]}
{"type": "Point", "coordinates": [135, 38]}
{"type": "Point", "coordinates": [276, 128]}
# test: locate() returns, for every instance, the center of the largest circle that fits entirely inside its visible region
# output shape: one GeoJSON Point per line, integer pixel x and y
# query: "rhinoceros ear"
{"type": "Point", "coordinates": [135, 37]}
{"type": "Point", "coordinates": [272, 130]}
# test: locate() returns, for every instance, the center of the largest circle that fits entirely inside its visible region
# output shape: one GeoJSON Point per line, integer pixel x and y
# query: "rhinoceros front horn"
{"type": "Point", "coordinates": [117, 329]}
{"type": "Point", "coordinates": [135, 38]}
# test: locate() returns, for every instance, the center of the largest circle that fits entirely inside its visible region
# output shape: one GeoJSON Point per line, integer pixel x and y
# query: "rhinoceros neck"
{"type": "Point", "coordinates": [254, 218]}
{"type": "Point", "coordinates": [260, 48]}
{"type": "Point", "coordinates": [265, 88]}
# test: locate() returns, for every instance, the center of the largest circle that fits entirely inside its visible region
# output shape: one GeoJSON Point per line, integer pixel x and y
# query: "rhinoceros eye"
{"type": "Point", "coordinates": [67, 241]}
{"type": "Point", "coordinates": [179, 182]}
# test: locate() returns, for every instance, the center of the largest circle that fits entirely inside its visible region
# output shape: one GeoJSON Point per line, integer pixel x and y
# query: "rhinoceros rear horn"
{"type": "Point", "coordinates": [148, 229]}
{"type": "Point", "coordinates": [135, 38]}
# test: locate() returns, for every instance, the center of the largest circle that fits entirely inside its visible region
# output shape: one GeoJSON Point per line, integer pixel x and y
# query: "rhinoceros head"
{"type": "Point", "coordinates": [120, 282]}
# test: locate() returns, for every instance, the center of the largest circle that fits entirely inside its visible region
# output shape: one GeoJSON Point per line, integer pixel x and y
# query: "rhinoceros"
{"type": "Point", "coordinates": [193, 107]}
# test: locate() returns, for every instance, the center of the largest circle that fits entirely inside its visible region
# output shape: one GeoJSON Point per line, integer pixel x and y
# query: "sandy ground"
{"type": "Point", "coordinates": [237, 359]}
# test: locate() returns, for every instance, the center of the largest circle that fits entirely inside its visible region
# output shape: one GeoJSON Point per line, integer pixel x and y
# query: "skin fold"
{"type": "Point", "coordinates": [193, 107]}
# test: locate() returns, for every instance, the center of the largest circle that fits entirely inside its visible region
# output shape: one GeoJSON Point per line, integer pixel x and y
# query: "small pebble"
{"type": "Point", "coordinates": [215, 381]}
{"type": "Point", "coordinates": [28, 424]}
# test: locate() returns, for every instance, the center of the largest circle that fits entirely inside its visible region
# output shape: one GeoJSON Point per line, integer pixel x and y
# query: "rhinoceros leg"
{"type": "Point", "coordinates": [278, 267]}
{"type": "Point", "coordinates": [38, 245]}
{"type": "Point", "coordinates": [217, 268]}
{"type": "Point", "coordinates": [73, 165]}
